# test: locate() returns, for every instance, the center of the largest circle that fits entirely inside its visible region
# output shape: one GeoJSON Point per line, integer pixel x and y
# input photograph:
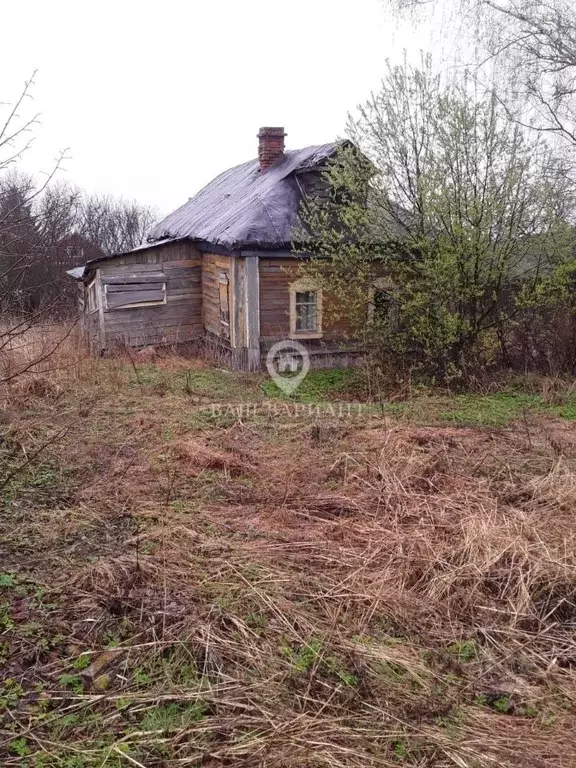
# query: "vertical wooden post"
{"type": "Point", "coordinates": [234, 291]}
{"type": "Point", "coordinates": [100, 299]}
{"type": "Point", "coordinates": [82, 308]}
{"type": "Point", "coordinates": [252, 311]}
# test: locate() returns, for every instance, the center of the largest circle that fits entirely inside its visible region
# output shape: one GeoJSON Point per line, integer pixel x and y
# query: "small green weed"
{"type": "Point", "coordinates": [173, 716]}
{"type": "Point", "coordinates": [19, 747]}
{"type": "Point", "coordinates": [10, 694]}
{"type": "Point", "coordinates": [400, 750]}
{"type": "Point", "coordinates": [499, 703]}
{"type": "Point", "coordinates": [502, 705]}
{"type": "Point", "coordinates": [313, 655]}
{"type": "Point", "coordinates": [5, 618]}
{"type": "Point", "coordinates": [7, 580]}
{"type": "Point", "coordinates": [74, 682]}
{"type": "Point", "coordinates": [528, 710]}
{"type": "Point", "coordinates": [141, 677]}
{"type": "Point", "coordinates": [464, 650]}
{"type": "Point", "coordinates": [82, 661]}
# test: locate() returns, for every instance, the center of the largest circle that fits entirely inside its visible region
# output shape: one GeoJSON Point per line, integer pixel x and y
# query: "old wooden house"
{"type": "Point", "coordinates": [220, 269]}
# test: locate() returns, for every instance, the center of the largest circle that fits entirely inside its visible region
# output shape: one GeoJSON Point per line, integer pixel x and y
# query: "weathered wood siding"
{"type": "Point", "coordinates": [241, 305]}
{"type": "Point", "coordinates": [91, 330]}
{"type": "Point", "coordinates": [214, 265]}
{"type": "Point", "coordinates": [276, 275]}
{"type": "Point", "coordinates": [178, 320]}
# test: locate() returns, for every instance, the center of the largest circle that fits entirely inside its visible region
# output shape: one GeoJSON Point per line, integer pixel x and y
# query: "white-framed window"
{"type": "Point", "coordinates": [305, 310]}
{"type": "Point", "coordinates": [91, 296]}
{"type": "Point", "coordinates": [132, 294]}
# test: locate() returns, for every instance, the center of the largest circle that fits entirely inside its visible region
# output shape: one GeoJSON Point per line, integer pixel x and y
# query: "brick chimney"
{"type": "Point", "coordinates": [270, 146]}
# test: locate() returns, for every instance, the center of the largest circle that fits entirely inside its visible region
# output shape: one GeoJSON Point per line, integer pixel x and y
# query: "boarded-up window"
{"type": "Point", "coordinates": [223, 289]}
{"type": "Point", "coordinates": [132, 294]}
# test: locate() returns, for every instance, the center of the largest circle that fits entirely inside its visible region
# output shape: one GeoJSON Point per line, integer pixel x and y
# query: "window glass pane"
{"type": "Point", "coordinates": [306, 297]}
{"type": "Point", "coordinates": [306, 311]}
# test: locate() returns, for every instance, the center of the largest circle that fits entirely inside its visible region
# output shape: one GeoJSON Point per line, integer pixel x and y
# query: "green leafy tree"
{"type": "Point", "coordinates": [458, 211]}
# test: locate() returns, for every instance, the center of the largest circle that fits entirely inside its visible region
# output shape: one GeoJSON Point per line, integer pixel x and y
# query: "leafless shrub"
{"type": "Point", "coordinates": [46, 228]}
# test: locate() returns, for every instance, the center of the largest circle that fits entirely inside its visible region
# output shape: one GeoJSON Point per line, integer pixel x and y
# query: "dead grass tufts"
{"type": "Point", "coordinates": [557, 489]}
{"type": "Point", "coordinates": [197, 457]}
{"type": "Point", "coordinates": [556, 390]}
{"type": "Point", "coordinates": [372, 594]}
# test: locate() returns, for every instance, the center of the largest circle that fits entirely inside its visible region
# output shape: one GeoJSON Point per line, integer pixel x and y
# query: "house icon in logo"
{"type": "Point", "coordinates": [287, 364]}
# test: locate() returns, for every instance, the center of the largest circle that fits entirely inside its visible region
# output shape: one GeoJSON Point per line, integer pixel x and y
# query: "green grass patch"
{"type": "Point", "coordinates": [488, 410]}
{"type": "Point", "coordinates": [213, 383]}
{"type": "Point", "coordinates": [173, 716]}
{"type": "Point", "coordinates": [321, 386]}
{"type": "Point", "coordinates": [566, 411]}
{"type": "Point", "coordinates": [317, 386]}
{"type": "Point", "coordinates": [497, 410]}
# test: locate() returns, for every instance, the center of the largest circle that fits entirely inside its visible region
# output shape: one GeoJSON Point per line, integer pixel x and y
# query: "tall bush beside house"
{"type": "Point", "coordinates": [458, 225]}
{"type": "Point", "coordinates": [544, 334]}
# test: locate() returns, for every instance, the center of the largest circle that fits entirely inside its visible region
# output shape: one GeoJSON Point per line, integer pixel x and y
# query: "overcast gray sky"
{"type": "Point", "coordinates": [155, 98]}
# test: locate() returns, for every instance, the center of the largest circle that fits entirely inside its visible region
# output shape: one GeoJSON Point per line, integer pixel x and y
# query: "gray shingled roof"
{"type": "Point", "coordinates": [242, 207]}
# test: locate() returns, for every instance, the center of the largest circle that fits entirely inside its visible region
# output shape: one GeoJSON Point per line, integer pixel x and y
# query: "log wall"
{"type": "Point", "coordinates": [258, 304]}
{"type": "Point", "coordinates": [178, 320]}
{"type": "Point", "coordinates": [276, 275]}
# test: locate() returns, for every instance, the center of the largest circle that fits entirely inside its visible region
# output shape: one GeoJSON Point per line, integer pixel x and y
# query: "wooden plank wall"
{"type": "Point", "coordinates": [275, 278]}
{"type": "Point", "coordinates": [212, 266]}
{"type": "Point", "coordinates": [252, 310]}
{"type": "Point", "coordinates": [238, 303]}
{"type": "Point", "coordinates": [179, 320]}
{"type": "Point", "coordinates": [193, 301]}
{"type": "Point", "coordinates": [91, 329]}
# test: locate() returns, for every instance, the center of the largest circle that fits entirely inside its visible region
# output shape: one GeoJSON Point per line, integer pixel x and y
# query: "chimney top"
{"type": "Point", "coordinates": [270, 146]}
{"type": "Point", "coordinates": [271, 130]}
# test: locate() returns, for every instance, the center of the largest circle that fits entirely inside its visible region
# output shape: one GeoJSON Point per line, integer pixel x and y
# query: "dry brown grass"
{"type": "Point", "coordinates": [367, 594]}
{"type": "Point", "coordinates": [27, 353]}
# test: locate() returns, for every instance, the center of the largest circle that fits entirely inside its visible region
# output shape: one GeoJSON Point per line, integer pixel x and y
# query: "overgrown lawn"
{"type": "Point", "coordinates": [187, 586]}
